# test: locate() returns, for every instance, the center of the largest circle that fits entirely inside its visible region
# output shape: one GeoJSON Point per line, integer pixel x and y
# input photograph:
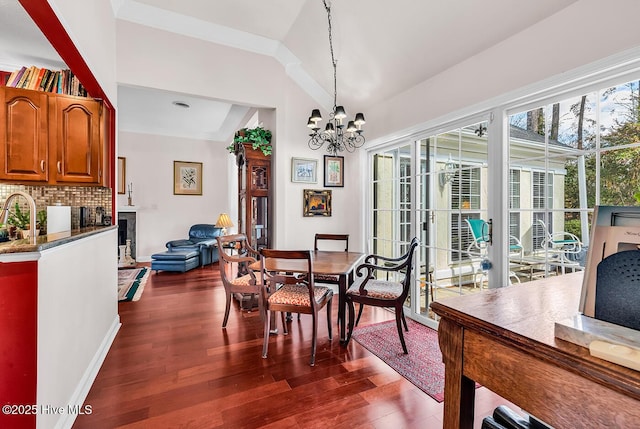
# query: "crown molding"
{"type": "Point", "coordinates": [149, 16]}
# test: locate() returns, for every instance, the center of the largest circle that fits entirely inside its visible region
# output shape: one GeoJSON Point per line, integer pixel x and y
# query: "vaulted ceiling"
{"type": "Point", "coordinates": [382, 48]}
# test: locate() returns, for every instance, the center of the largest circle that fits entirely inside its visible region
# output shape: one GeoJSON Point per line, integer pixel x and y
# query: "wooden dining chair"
{"type": "Point", "coordinates": [291, 293]}
{"type": "Point", "coordinates": [328, 278]}
{"type": "Point", "coordinates": [379, 292]}
{"type": "Point", "coordinates": [237, 278]}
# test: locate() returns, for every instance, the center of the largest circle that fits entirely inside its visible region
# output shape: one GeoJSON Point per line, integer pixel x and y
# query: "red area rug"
{"type": "Point", "coordinates": [422, 366]}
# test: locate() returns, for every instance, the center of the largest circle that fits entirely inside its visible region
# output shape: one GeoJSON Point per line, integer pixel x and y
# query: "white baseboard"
{"type": "Point", "coordinates": [82, 390]}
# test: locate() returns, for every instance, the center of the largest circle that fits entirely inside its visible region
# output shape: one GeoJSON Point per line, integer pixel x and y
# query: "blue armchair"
{"type": "Point", "coordinates": [202, 237]}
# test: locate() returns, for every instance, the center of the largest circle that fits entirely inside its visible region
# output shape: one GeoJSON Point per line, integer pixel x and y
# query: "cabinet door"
{"type": "Point", "coordinates": [23, 135]}
{"type": "Point", "coordinates": [75, 123]}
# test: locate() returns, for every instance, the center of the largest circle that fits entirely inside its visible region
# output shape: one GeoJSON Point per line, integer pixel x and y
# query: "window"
{"type": "Point", "coordinates": [465, 198]}
{"type": "Point", "coordinates": [514, 203]}
{"type": "Point", "coordinates": [542, 192]}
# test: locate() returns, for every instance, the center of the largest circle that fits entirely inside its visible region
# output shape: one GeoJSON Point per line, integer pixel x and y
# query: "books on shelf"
{"type": "Point", "coordinates": [43, 79]}
{"type": "Point", "coordinates": [614, 229]}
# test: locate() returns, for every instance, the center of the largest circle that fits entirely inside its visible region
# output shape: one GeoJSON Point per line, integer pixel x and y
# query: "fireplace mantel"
{"type": "Point", "coordinates": [127, 209]}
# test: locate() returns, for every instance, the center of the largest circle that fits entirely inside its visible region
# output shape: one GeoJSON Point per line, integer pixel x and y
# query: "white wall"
{"type": "Point", "coordinates": [77, 321]}
{"type": "Point", "coordinates": [91, 27]}
{"type": "Point", "coordinates": [585, 32]}
{"type": "Point", "coordinates": [225, 73]}
{"type": "Point", "coordinates": [158, 59]}
{"type": "Point", "coordinates": [161, 215]}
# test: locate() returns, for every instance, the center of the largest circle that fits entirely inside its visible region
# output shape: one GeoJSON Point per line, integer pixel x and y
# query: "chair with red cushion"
{"type": "Point", "coordinates": [291, 293]}
{"type": "Point", "coordinates": [236, 277]}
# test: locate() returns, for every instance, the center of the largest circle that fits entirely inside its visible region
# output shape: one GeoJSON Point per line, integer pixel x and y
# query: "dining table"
{"type": "Point", "coordinates": [337, 263]}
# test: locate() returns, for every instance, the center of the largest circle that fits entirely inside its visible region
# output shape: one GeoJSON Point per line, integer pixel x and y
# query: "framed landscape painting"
{"type": "Point", "coordinates": [333, 171]}
{"type": "Point", "coordinates": [187, 178]}
{"type": "Point", "coordinates": [317, 203]}
{"type": "Point", "coordinates": [304, 170]}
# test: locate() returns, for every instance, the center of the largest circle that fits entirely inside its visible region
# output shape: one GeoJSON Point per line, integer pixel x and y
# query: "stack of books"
{"type": "Point", "coordinates": [42, 79]}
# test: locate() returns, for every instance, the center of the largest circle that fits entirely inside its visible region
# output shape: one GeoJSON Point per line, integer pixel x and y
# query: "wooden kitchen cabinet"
{"type": "Point", "coordinates": [51, 138]}
{"type": "Point", "coordinates": [74, 132]}
{"type": "Point", "coordinates": [24, 135]}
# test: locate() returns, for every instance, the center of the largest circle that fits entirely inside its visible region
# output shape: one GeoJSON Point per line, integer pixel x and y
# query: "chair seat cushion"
{"type": "Point", "coordinates": [381, 289]}
{"type": "Point", "coordinates": [243, 280]}
{"type": "Point", "coordinates": [326, 278]}
{"type": "Point", "coordinates": [297, 295]}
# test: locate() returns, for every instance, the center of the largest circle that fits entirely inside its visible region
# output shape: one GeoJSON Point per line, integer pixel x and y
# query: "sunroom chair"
{"type": "Point", "coordinates": [560, 243]}
{"type": "Point", "coordinates": [480, 232]}
{"type": "Point", "coordinates": [289, 293]}
{"type": "Point", "coordinates": [382, 293]}
{"type": "Point", "coordinates": [236, 277]}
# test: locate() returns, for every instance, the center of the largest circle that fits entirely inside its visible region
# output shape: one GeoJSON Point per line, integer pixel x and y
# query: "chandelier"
{"type": "Point", "coordinates": [335, 134]}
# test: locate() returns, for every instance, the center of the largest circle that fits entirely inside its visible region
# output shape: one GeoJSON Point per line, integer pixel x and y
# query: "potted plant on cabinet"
{"type": "Point", "coordinates": [258, 137]}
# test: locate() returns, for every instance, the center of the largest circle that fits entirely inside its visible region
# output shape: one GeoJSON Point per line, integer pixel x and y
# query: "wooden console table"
{"type": "Point", "coordinates": [504, 340]}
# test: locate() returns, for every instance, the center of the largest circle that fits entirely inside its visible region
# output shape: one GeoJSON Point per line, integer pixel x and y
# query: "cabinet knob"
{"type": "Point", "coordinates": [59, 167]}
{"type": "Point", "coordinates": [42, 165]}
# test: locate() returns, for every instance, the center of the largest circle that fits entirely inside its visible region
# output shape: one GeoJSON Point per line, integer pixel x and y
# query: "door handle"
{"type": "Point", "coordinates": [42, 165]}
{"type": "Point", "coordinates": [59, 167]}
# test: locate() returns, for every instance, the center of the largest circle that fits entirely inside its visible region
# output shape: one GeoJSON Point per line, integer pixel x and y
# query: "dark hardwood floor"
{"type": "Point", "coordinates": [173, 366]}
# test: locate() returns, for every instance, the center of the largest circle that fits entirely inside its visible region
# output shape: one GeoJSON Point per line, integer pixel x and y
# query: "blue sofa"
{"type": "Point", "coordinates": [202, 237]}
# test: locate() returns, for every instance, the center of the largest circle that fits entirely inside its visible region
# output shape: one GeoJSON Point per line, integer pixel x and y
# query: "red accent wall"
{"type": "Point", "coordinates": [4, 75]}
{"type": "Point", "coordinates": [18, 340]}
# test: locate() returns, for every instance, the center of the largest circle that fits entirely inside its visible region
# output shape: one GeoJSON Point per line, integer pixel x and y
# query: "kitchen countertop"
{"type": "Point", "coordinates": [45, 242]}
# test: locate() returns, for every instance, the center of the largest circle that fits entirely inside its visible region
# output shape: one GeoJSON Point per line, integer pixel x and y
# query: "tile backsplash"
{"type": "Point", "coordinates": [74, 196]}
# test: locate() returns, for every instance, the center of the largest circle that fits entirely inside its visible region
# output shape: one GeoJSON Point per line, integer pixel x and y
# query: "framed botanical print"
{"type": "Point", "coordinates": [333, 171]}
{"type": "Point", "coordinates": [304, 170]}
{"type": "Point", "coordinates": [316, 203]}
{"type": "Point", "coordinates": [187, 178]}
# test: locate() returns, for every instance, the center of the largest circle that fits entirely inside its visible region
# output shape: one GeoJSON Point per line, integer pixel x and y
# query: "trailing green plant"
{"type": "Point", "coordinates": [18, 218]}
{"type": "Point", "coordinates": [258, 137]}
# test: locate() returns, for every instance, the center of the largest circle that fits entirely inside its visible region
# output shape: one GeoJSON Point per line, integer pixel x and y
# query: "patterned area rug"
{"type": "Point", "coordinates": [422, 366]}
{"type": "Point", "coordinates": [131, 283]}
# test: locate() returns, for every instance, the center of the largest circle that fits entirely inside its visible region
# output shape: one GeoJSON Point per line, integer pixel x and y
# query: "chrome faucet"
{"type": "Point", "coordinates": [4, 214]}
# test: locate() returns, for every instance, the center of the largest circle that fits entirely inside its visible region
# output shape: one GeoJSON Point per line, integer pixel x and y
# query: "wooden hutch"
{"type": "Point", "coordinates": [255, 213]}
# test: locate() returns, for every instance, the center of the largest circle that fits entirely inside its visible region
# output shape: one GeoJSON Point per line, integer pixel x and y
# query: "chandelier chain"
{"type": "Point", "coordinates": [327, 6]}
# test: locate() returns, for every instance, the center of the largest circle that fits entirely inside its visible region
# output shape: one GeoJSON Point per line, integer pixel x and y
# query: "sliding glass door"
{"type": "Point", "coordinates": [427, 188]}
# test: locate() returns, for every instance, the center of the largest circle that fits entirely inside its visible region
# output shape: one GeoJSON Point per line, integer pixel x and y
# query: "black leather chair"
{"type": "Point", "coordinates": [202, 237]}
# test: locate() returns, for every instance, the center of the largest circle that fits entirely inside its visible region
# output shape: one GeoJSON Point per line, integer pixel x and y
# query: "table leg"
{"type": "Point", "coordinates": [342, 294]}
{"type": "Point", "coordinates": [459, 391]}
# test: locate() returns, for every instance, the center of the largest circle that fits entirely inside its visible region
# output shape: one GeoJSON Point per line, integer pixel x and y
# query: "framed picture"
{"type": "Point", "coordinates": [122, 174]}
{"type": "Point", "coordinates": [187, 178]}
{"type": "Point", "coordinates": [317, 203]}
{"type": "Point", "coordinates": [333, 171]}
{"type": "Point", "coordinates": [304, 170]}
